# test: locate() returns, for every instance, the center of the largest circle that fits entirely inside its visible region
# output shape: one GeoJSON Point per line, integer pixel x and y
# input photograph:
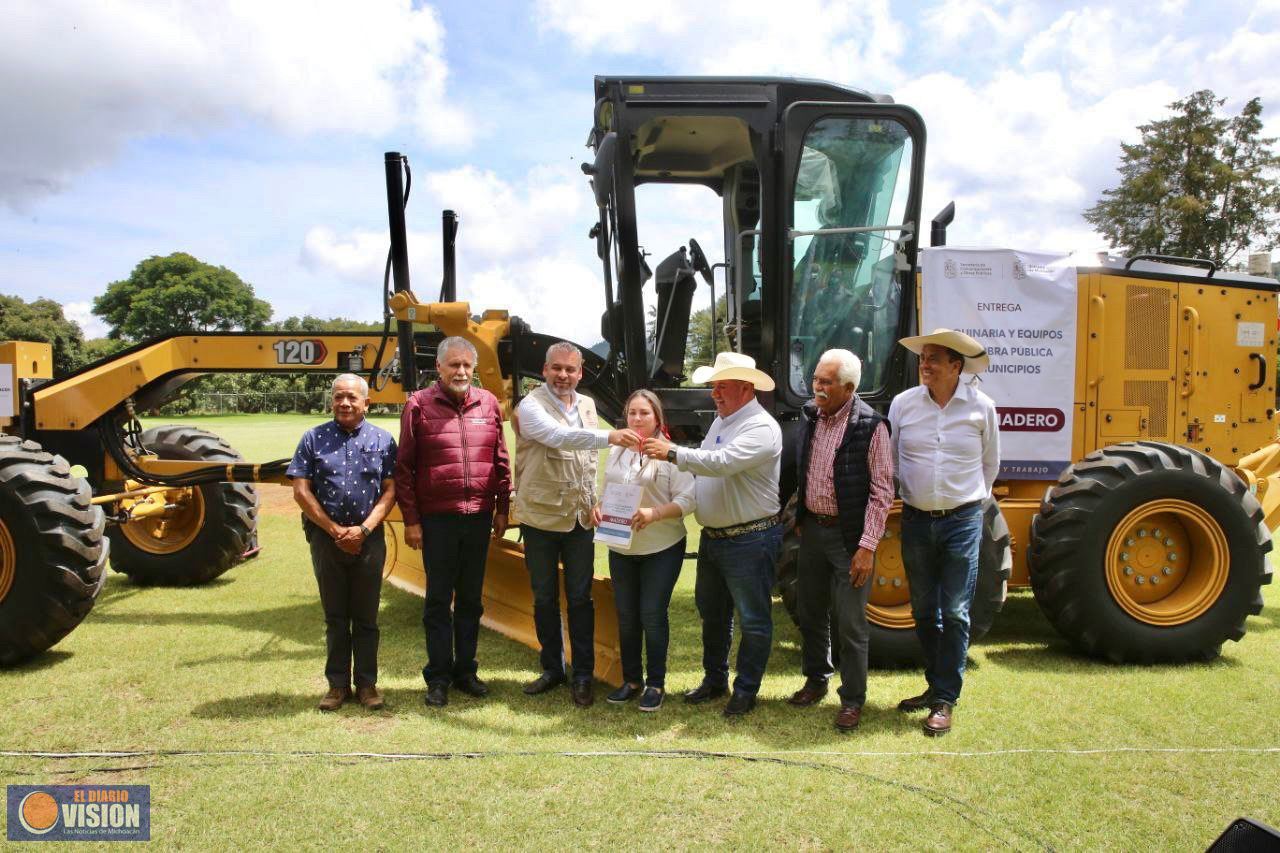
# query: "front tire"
{"type": "Point", "coordinates": [205, 536]}
{"type": "Point", "coordinates": [52, 550]}
{"type": "Point", "coordinates": [1147, 552]}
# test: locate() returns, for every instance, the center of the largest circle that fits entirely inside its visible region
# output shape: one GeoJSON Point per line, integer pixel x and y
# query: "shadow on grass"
{"type": "Point", "coordinates": [300, 624]}
{"type": "Point", "coordinates": [773, 722]}
{"type": "Point", "coordinates": [45, 660]}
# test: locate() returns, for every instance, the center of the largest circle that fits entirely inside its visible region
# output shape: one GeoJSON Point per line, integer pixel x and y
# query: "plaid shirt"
{"type": "Point", "coordinates": [820, 490]}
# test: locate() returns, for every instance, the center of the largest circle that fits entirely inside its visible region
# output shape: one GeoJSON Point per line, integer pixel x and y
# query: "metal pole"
{"type": "Point", "coordinates": [448, 232]}
{"type": "Point", "coordinates": [400, 264]}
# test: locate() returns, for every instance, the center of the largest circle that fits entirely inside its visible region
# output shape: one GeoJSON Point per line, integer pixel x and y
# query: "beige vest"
{"type": "Point", "coordinates": [553, 487]}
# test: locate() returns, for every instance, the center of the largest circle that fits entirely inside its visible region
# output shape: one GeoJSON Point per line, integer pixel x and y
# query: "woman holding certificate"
{"type": "Point", "coordinates": [646, 564]}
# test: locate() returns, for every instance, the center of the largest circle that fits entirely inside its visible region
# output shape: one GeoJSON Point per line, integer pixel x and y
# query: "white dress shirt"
{"type": "Point", "coordinates": [948, 455]}
{"type": "Point", "coordinates": [537, 425]}
{"type": "Point", "coordinates": [737, 468]}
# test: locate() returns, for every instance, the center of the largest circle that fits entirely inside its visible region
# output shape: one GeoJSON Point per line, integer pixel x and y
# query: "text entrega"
{"type": "Point", "coordinates": [618, 506]}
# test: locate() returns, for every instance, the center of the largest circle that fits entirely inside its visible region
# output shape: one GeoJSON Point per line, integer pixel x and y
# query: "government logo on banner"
{"type": "Point", "coordinates": [1021, 306]}
{"type": "Point", "coordinates": [79, 813]}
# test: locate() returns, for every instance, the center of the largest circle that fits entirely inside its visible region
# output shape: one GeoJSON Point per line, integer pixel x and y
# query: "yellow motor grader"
{"type": "Point", "coordinates": [1150, 545]}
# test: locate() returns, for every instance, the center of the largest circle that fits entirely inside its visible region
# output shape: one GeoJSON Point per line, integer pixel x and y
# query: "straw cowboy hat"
{"type": "Point", "coordinates": [976, 359]}
{"type": "Point", "coordinates": [734, 365]}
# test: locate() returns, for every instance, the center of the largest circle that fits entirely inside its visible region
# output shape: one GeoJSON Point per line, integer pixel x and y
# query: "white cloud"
{"type": "Point", "coordinates": [522, 245]}
{"type": "Point", "coordinates": [859, 44]}
{"type": "Point", "coordinates": [82, 80]}
{"type": "Point", "coordinates": [81, 313]}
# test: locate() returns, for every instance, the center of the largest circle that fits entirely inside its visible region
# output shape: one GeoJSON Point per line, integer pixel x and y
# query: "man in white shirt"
{"type": "Point", "coordinates": [946, 449]}
{"type": "Point", "coordinates": [556, 445]}
{"type": "Point", "coordinates": [736, 499]}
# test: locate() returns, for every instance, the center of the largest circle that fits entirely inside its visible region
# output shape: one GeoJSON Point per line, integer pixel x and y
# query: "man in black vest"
{"type": "Point", "coordinates": [845, 482]}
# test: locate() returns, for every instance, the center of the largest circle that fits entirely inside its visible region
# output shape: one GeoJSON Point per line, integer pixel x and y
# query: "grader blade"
{"type": "Point", "coordinates": [508, 599]}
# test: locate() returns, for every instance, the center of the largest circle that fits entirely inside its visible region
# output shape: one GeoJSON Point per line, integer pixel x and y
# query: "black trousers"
{"type": "Point", "coordinates": [350, 585]}
{"type": "Point", "coordinates": [823, 580]}
{"type": "Point", "coordinates": [544, 552]}
{"type": "Point", "coordinates": [454, 549]}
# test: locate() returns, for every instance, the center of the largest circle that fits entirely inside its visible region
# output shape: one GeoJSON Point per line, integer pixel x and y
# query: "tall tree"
{"type": "Point", "coordinates": [43, 321]}
{"type": "Point", "coordinates": [1197, 185]}
{"type": "Point", "coordinates": [700, 350]}
{"type": "Point", "coordinates": [179, 293]}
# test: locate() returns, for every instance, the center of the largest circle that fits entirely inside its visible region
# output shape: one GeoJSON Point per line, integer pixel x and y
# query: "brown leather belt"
{"type": "Point", "coordinates": [739, 529]}
{"type": "Point", "coordinates": [942, 513]}
{"type": "Point", "coordinates": [823, 520]}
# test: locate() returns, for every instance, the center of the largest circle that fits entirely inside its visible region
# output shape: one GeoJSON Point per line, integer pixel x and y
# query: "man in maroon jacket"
{"type": "Point", "coordinates": [453, 484]}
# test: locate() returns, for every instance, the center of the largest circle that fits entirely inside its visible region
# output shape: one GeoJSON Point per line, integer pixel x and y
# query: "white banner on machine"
{"type": "Point", "coordinates": [1021, 306]}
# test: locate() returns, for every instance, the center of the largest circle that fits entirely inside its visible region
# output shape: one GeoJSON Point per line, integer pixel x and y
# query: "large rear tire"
{"type": "Point", "coordinates": [207, 535]}
{"type": "Point", "coordinates": [52, 550]}
{"type": "Point", "coordinates": [893, 636]}
{"type": "Point", "coordinates": [893, 643]}
{"type": "Point", "coordinates": [1147, 552]}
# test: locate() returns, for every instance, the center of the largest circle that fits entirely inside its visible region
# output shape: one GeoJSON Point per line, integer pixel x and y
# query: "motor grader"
{"type": "Point", "coordinates": [1148, 546]}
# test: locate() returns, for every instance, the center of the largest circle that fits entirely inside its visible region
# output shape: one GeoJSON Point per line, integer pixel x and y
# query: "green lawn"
{"type": "Point", "coordinates": [217, 685]}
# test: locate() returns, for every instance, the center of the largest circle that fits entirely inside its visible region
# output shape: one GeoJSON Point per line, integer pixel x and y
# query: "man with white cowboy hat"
{"type": "Point", "coordinates": [945, 440]}
{"type": "Point", "coordinates": [736, 495]}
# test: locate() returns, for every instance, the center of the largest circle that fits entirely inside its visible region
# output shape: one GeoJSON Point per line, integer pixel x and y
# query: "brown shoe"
{"type": "Point", "coordinates": [333, 700]}
{"type": "Point", "coordinates": [914, 703]}
{"type": "Point", "coordinates": [583, 694]}
{"type": "Point", "coordinates": [848, 718]}
{"type": "Point", "coordinates": [369, 697]}
{"type": "Point", "coordinates": [812, 692]}
{"type": "Point", "coordinates": [939, 720]}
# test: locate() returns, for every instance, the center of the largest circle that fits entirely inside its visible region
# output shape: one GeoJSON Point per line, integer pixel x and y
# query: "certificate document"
{"type": "Point", "coordinates": [617, 506]}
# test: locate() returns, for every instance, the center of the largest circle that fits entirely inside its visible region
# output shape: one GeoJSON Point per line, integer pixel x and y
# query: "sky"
{"type": "Point", "coordinates": [252, 134]}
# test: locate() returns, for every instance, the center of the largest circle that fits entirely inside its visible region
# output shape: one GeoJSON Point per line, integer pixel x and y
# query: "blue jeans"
{"type": "Point", "coordinates": [544, 552]}
{"type": "Point", "coordinates": [642, 586]}
{"type": "Point", "coordinates": [940, 556]}
{"type": "Point", "coordinates": [737, 572]}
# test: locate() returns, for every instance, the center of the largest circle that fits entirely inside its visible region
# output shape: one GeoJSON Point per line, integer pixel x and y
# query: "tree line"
{"type": "Point", "coordinates": [178, 293]}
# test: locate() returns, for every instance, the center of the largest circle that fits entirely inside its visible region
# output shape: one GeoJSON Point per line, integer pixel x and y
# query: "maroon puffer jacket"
{"type": "Point", "coordinates": [452, 458]}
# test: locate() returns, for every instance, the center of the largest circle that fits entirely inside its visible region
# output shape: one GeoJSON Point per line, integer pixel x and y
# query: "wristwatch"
{"type": "Point", "coordinates": [671, 456]}
{"type": "Point", "coordinates": [364, 530]}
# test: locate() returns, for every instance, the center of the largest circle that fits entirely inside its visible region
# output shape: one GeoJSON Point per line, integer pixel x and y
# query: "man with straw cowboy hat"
{"type": "Point", "coordinates": [945, 440]}
{"type": "Point", "coordinates": [736, 495]}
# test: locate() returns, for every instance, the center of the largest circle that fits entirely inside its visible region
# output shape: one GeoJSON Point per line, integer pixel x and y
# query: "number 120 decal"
{"type": "Point", "coordinates": [300, 352]}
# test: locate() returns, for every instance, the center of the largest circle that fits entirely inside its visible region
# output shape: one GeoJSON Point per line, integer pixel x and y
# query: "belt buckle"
{"type": "Point", "coordinates": [939, 513]}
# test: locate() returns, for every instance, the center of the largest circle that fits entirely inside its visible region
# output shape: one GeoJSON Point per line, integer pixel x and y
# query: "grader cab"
{"type": "Point", "coordinates": [1149, 545]}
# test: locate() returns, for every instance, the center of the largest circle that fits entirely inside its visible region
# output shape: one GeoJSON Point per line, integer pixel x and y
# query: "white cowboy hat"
{"type": "Point", "coordinates": [976, 359]}
{"type": "Point", "coordinates": [734, 365]}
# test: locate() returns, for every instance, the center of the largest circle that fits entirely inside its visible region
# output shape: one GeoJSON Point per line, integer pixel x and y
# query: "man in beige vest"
{"type": "Point", "coordinates": [557, 440]}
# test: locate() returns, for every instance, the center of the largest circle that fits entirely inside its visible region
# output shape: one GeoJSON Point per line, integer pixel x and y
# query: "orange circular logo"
{"type": "Point", "coordinates": [38, 812]}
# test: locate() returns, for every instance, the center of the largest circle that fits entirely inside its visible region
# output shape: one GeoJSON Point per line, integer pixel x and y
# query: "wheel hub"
{"type": "Point", "coordinates": [8, 561]}
{"type": "Point", "coordinates": [889, 602]}
{"type": "Point", "coordinates": [164, 523]}
{"type": "Point", "coordinates": [1167, 562]}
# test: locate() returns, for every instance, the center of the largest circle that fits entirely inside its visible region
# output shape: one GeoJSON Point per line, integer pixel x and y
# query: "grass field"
{"type": "Point", "coordinates": [216, 687]}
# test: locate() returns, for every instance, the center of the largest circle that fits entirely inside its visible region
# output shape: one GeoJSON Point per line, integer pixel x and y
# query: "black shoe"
{"type": "Point", "coordinates": [437, 695]}
{"type": "Point", "coordinates": [624, 694]}
{"type": "Point", "coordinates": [471, 685]}
{"type": "Point", "coordinates": [915, 703]}
{"type": "Point", "coordinates": [543, 683]}
{"type": "Point", "coordinates": [704, 692]}
{"type": "Point", "coordinates": [652, 699]}
{"type": "Point", "coordinates": [739, 704]}
{"type": "Point", "coordinates": [583, 695]}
